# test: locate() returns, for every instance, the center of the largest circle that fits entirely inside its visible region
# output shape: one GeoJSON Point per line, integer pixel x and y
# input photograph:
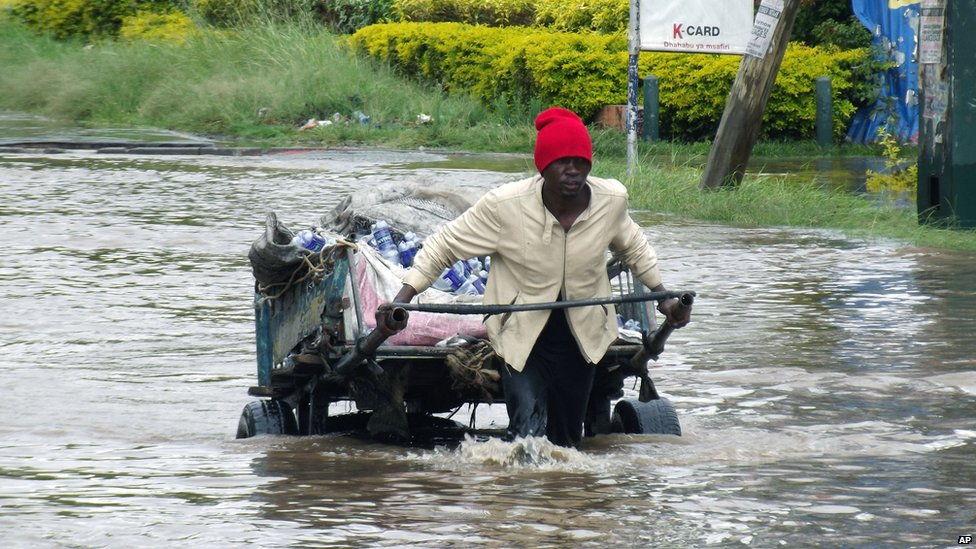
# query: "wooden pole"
{"type": "Point", "coordinates": [739, 129]}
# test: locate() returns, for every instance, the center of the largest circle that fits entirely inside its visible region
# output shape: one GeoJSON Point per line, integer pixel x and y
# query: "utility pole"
{"type": "Point", "coordinates": [947, 127]}
{"type": "Point", "coordinates": [742, 118]}
{"type": "Point", "coordinates": [633, 54]}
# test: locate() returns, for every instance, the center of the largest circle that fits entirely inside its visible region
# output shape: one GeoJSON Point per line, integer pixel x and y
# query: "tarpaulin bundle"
{"type": "Point", "coordinates": [416, 208]}
{"type": "Point", "coordinates": [274, 258]}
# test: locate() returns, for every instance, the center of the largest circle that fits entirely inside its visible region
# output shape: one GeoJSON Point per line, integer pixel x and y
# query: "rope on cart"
{"type": "Point", "coordinates": [471, 368]}
{"type": "Point", "coordinates": [312, 270]}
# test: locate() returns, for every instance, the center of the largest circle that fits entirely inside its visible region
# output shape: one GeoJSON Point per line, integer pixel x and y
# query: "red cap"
{"type": "Point", "coordinates": [561, 134]}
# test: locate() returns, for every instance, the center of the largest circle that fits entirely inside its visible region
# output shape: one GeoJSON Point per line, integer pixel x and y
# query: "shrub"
{"type": "Point", "coordinates": [69, 18]}
{"type": "Point", "coordinates": [695, 88]}
{"type": "Point", "coordinates": [607, 16]}
{"type": "Point", "coordinates": [511, 67]}
{"type": "Point", "coordinates": [341, 16]}
{"type": "Point", "coordinates": [223, 13]}
{"type": "Point", "coordinates": [849, 34]}
{"type": "Point", "coordinates": [236, 13]}
{"type": "Point", "coordinates": [496, 13]}
{"type": "Point", "coordinates": [89, 19]}
{"type": "Point", "coordinates": [175, 27]}
{"type": "Point", "coordinates": [900, 177]}
{"type": "Point", "coordinates": [813, 13]}
{"type": "Point", "coordinates": [348, 16]}
{"type": "Point", "coordinates": [507, 65]}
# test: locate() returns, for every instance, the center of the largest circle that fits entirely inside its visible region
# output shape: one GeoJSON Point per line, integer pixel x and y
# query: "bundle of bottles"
{"type": "Point", "coordinates": [466, 277]}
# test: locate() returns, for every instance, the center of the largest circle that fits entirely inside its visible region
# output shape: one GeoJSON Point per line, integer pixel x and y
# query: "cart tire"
{"type": "Point", "coordinates": [656, 417]}
{"type": "Point", "coordinates": [266, 417]}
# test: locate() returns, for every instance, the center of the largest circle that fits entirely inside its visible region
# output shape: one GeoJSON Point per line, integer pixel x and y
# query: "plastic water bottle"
{"type": "Point", "coordinates": [382, 235]}
{"type": "Point", "coordinates": [483, 276]}
{"type": "Point", "coordinates": [461, 269]}
{"type": "Point", "coordinates": [384, 242]}
{"type": "Point", "coordinates": [632, 324]}
{"type": "Point", "coordinates": [407, 249]}
{"type": "Point", "coordinates": [309, 240]}
{"type": "Point", "coordinates": [442, 284]}
{"type": "Point", "coordinates": [472, 286]}
{"type": "Point", "coordinates": [450, 280]}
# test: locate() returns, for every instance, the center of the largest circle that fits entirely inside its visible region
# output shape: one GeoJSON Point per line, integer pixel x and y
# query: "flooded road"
{"type": "Point", "coordinates": [826, 386]}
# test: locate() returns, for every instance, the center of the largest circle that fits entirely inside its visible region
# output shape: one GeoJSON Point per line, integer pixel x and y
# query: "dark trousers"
{"type": "Point", "coordinates": [551, 393]}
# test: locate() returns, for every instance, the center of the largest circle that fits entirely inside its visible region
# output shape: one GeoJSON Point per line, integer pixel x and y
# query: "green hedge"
{"type": "Point", "coordinates": [73, 18]}
{"type": "Point", "coordinates": [694, 89]}
{"type": "Point", "coordinates": [512, 65]}
{"type": "Point", "coordinates": [515, 66]}
{"type": "Point", "coordinates": [496, 13]}
{"type": "Point", "coordinates": [174, 27]}
{"type": "Point", "coordinates": [88, 19]}
{"type": "Point", "coordinates": [605, 16]}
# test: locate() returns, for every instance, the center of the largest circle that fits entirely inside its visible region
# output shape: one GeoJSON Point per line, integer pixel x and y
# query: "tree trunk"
{"type": "Point", "coordinates": [742, 118]}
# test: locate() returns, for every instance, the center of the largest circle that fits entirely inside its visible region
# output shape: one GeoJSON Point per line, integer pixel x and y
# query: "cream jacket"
{"type": "Point", "coordinates": [533, 260]}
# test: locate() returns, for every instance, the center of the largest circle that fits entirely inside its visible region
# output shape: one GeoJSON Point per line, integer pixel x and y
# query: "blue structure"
{"type": "Point", "coordinates": [895, 32]}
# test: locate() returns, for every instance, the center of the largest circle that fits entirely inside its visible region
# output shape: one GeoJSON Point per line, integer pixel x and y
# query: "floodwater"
{"type": "Point", "coordinates": [826, 386]}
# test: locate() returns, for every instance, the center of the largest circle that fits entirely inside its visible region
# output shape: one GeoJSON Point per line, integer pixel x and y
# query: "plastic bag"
{"type": "Point", "coordinates": [274, 258]}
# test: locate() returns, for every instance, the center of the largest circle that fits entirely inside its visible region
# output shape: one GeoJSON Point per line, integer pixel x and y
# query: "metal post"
{"type": "Point", "coordinates": [652, 96]}
{"type": "Point", "coordinates": [825, 111]}
{"type": "Point", "coordinates": [633, 48]}
{"type": "Point", "coordinates": [947, 127]}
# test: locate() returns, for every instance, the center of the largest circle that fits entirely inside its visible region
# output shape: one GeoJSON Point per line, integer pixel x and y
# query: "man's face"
{"type": "Point", "coordinates": [566, 175]}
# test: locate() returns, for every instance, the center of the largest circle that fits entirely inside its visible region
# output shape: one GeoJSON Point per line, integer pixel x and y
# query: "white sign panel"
{"type": "Point", "coordinates": [698, 26]}
{"type": "Point", "coordinates": [930, 31]}
{"type": "Point", "coordinates": [762, 31]}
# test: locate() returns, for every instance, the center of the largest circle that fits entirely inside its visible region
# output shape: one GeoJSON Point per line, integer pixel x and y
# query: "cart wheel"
{"type": "Point", "coordinates": [656, 417]}
{"type": "Point", "coordinates": [266, 417]}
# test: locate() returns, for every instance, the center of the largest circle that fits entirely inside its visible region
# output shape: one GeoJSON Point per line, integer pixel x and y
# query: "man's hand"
{"type": "Point", "coordinates": [405, 294]}
{"type": "Point", "coordinates": [390, 319]}
{"type": "Point", "coordinates": [677, 313]}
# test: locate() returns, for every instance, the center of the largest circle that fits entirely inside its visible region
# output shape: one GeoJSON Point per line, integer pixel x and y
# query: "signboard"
{"type": "Point", "coordinates": [696, 26]}
{"type": "Point", "coordinates": [930, 31]}
{"type": "Point", "coordinates": [762, 31]}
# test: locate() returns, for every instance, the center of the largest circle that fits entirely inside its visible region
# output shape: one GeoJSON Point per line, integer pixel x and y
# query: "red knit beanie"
{"type": "Point", "coordinates": [561, 134]}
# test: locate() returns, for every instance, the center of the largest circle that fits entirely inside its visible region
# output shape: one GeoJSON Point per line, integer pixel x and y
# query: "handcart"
{"type": "Point", "coordinates": [323, 367]}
